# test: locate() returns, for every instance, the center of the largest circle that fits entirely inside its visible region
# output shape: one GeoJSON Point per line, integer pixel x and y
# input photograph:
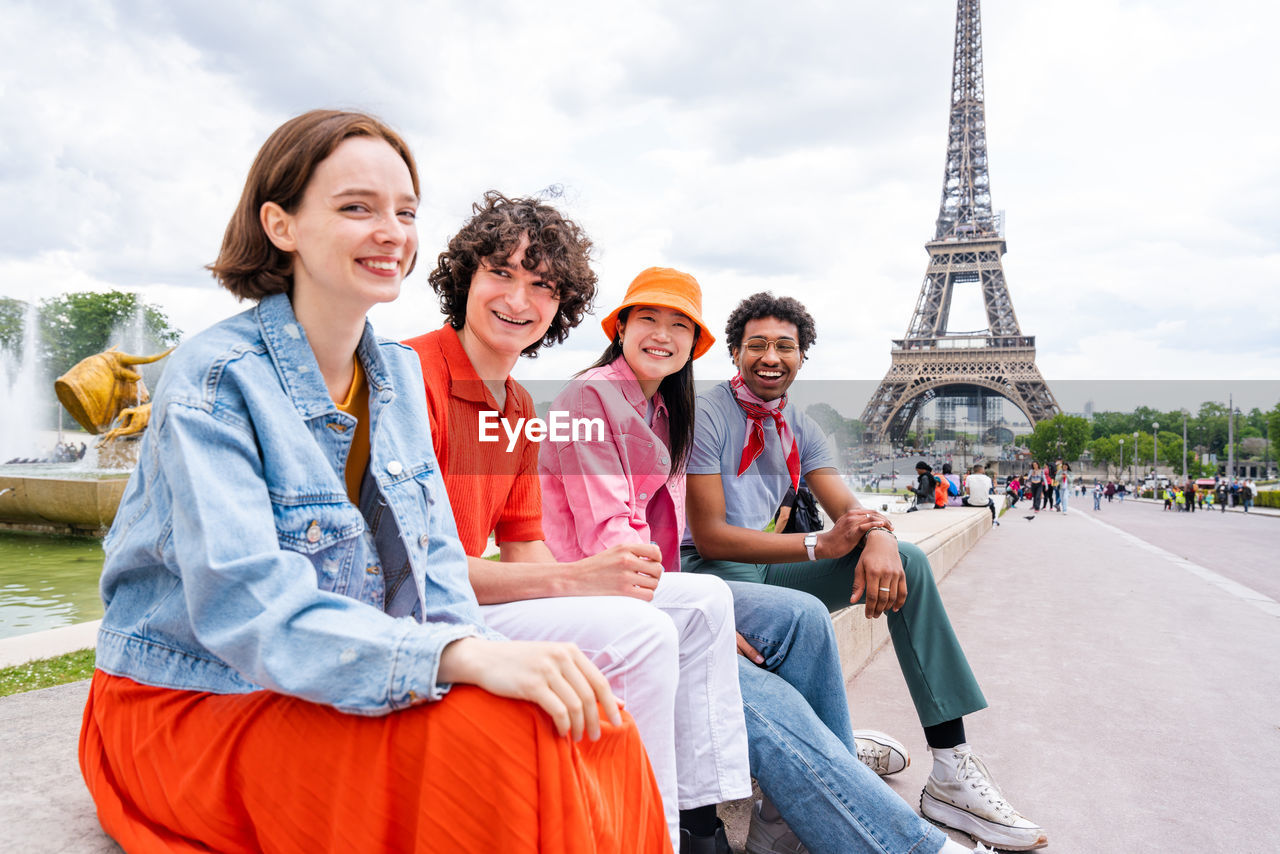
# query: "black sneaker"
{"type": "Point", "coordinates": [717, 843]}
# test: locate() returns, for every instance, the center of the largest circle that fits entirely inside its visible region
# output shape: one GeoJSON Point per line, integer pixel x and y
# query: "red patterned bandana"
{"type": "Point", "coordinates": [757, 410]}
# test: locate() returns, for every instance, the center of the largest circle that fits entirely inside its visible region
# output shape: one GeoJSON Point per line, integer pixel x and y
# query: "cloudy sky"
{"type": "Point", "coordinates": [794, 146]}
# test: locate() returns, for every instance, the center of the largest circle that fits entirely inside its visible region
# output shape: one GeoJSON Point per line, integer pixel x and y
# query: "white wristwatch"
{"type": "Point", "coordinates": [810, 543]}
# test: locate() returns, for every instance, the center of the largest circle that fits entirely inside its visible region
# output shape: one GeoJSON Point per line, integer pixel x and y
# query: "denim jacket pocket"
{"type": "Point", "coordinates": [326, 529]}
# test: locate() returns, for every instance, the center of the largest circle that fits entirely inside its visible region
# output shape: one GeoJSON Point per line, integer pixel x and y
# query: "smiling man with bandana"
{"type": "Point", "coordinates": [749, 448]}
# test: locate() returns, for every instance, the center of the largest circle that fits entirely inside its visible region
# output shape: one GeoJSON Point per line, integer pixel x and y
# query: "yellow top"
{"type": "Point", "coordinates": [357, 406]}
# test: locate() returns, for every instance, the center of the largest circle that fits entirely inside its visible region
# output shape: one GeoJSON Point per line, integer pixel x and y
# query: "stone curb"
{"type": "Point", "coordinates": [860, 639]}
{"type": "Point", "coordinates": [44, 805]}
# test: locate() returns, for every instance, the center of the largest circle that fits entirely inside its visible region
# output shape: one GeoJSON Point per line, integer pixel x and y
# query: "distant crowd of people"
{"type": "Point", "coordinates": [975, 490]}
{"type": "Point", "coordinates": [1050, 487]}
{"type": "Point", "coordinates": [1186, 497]}
{"type": "Point", "coordinates": [1045, 487]}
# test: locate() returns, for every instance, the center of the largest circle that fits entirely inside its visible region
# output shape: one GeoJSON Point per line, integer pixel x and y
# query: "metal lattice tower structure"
{"type": "Point", "coordinates": [965, 251]}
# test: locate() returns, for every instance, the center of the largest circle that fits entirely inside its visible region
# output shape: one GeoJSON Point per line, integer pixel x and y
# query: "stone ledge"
{"type": "Point", "coordinates": [944, 537]}
{"type": "Point", "coordinates": [46, 806]}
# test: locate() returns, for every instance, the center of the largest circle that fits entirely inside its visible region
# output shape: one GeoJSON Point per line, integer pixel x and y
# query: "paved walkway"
{"type": "Point", "coordinates": [1129, 661]}
{"type": "Point", "coordinates": [1134, 685]}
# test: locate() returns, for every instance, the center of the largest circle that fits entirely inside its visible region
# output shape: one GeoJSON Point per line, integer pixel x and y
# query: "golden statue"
{"type": "Point", "coordinates": [106, 396]}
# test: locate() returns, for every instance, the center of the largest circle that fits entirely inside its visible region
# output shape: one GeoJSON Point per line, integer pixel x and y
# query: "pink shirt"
{"type": "Point", "coordinates": [597, 494]}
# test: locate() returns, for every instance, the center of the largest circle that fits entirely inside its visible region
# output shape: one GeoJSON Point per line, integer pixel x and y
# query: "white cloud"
{"type": "Point", "coordinates": [795, 147]}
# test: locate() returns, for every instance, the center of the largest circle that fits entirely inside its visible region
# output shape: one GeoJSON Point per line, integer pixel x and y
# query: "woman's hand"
{"type": "Point", "coordinates": [631, 569]}
{"type": "Point", "coordinates": [555, 676]}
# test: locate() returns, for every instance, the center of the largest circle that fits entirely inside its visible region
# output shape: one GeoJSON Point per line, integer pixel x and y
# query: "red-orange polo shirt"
{"type": "Point", "coordinates": [491, 490]}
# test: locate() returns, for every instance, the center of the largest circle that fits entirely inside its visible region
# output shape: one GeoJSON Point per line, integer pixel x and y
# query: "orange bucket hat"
{"type": "Point", "coordinates": [665, 288]}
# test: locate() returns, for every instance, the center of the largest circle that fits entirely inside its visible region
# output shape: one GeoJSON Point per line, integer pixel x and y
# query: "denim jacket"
{"type": "Point", "coordinates": [237, 562]}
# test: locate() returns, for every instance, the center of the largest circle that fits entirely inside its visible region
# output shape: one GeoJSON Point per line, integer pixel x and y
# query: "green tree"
{"type": "Point", "coordinates": [1256, 419]}
{"type": "Point", "coordinates": [1273, 431]}
{"type": "Point", "coordinates": [826, 417]}
{"type": "Point", "coordinates": [1112, 424]}
{"type": "Point", "coordinates": [11, 313]}
{"type": "Point", "coordinates": [1062, 436]}
{"type": "Point", "coordinates": [1105, 450]}
{"type": "Point", "coordinates": [77, 325]}
{"type": "Point", "coordinates": [847, 432]}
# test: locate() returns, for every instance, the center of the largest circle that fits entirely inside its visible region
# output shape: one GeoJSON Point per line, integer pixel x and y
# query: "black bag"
{"type": "Point", "coordinates": [805, 516]}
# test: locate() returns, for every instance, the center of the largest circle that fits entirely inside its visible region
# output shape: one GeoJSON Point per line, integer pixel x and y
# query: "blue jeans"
{"type": "Point", "coordinates": [799, 736]}
{"type": "Point", "coordinates": [932, 662]}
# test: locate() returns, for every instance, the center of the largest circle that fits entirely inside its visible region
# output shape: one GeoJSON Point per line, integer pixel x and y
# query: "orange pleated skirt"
{"type": "Point", "coordinates": [180, 771]}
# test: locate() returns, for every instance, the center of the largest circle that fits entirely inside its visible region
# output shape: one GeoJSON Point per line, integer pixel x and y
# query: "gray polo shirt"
{"type": "Point", "coordinates": [720, 431]}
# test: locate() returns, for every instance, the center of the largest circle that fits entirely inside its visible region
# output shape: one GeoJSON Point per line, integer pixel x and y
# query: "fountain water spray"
{"type": "Point", "coordinates": [21, 402]}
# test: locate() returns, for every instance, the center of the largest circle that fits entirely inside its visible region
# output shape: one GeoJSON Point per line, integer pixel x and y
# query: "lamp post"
{"type": "Point", "coordinates": [1184, 446]}
{"type": "Point", "coordinates": [1135, 459]}
{"type": "Point", "coordinates": [1155, 450]}
{"type": "Point", "coordinates": [1231, 439]}
{"type": "Point", "coordinates": [1122, 459]}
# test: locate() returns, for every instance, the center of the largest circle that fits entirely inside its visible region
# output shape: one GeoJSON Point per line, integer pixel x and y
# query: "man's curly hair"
{"type": "Point", "coordinates": [765, 304]}
{"type": "Point", "coordinates": [493, 233]}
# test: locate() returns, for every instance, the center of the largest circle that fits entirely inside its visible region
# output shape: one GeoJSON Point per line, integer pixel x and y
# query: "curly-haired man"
{"type": "Point", "coordinates": [516, 278]}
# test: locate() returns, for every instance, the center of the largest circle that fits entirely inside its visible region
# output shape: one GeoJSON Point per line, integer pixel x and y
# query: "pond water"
{"type": "Point", "coordinates": [47, 582]}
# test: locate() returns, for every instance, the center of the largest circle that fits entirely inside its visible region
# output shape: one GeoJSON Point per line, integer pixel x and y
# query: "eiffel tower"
{"type": "Point", "coordinates": [932, 362]}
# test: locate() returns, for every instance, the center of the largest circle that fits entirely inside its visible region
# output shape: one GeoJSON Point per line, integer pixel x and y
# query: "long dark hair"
{"type": "Point", "coordinates": [677, 392]}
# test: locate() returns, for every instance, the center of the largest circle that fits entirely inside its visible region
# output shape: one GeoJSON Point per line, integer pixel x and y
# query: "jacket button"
{"type": "Point", "coordinates": [313, 533]}
{"type": "Point", "coordinates": [642, 496]}
{"type": "Point", "coordinates": [394, 468]}
{"type": "Point", "coordinates": [373, 570]}
{"type": "Point", "coordinates": [424, 540]}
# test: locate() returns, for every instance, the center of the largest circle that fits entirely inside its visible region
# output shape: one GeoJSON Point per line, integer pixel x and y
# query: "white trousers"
{"type": "Point", "coordinates": [692, 726]}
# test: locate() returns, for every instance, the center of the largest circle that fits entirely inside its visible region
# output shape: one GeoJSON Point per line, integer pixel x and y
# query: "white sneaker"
{"type": "Point", "coordinates": [970, 801]}
{"type": "Point", "coordinates": [881, 753]}
{"type": "Point", "coordinates": [771, 837]}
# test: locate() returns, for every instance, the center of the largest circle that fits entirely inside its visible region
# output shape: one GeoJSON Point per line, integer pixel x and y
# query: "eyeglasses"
{"type": "Point", "coordinates": [760, 346]}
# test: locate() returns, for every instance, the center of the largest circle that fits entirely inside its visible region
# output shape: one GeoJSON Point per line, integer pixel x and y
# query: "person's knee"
{"type": "Point", "coordinates": [637, 633]}
{"type": "Point", "coordinates": [812, 629]}
{"type": "Point", "coordinates": [776, 619]}
{"type": "Point", "coordinates": [914, 562]}
{"type": "Point", "coordinates": [711, 596]}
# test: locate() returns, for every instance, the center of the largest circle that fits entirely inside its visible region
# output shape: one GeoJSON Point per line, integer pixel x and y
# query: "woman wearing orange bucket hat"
{"type": "Point", "coordinates": [642, 385]}
{"type": "Point", "coordinates": [628, 487]}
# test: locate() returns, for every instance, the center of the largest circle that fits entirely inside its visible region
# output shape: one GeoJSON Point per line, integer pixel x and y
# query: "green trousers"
{"type": "Point", "coordinates": [938, 676]}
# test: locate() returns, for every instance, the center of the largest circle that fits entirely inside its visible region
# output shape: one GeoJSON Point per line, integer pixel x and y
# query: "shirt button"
{"type": "Point", "coordinates": [394, 468]}
{"type": "Point", "coordinates": [664, 461]}
{"type": "Point", "coordinates": [313, 533]}
{"type": "Point", "coordinates": [424, 540]}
